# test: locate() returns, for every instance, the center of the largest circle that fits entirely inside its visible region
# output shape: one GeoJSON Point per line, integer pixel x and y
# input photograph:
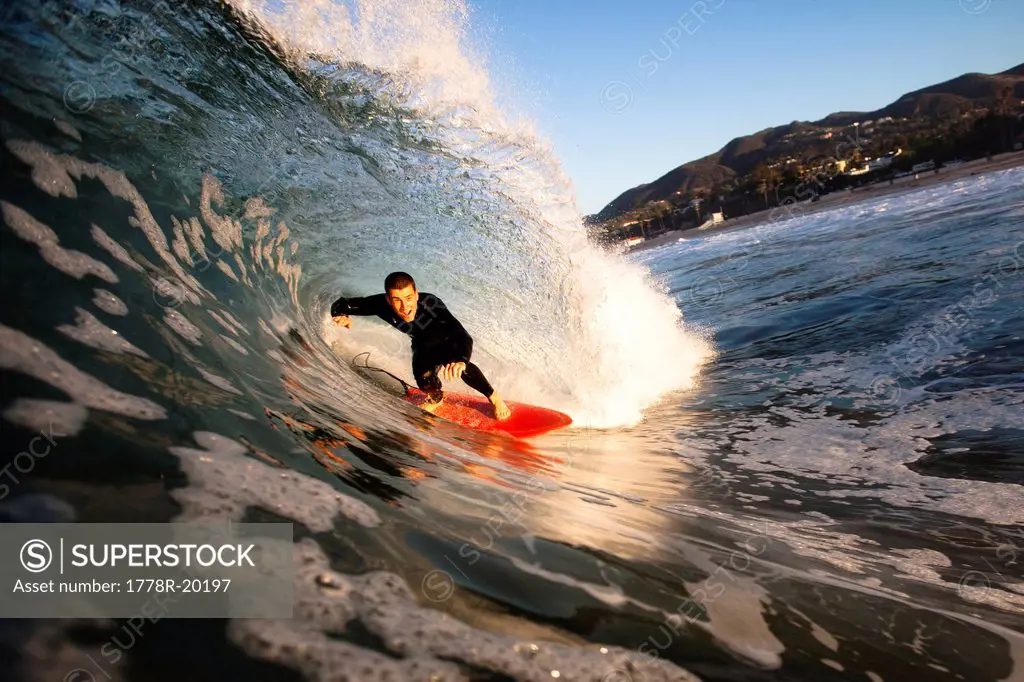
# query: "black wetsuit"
{"type": "Point", "coordinates": [437, 338]}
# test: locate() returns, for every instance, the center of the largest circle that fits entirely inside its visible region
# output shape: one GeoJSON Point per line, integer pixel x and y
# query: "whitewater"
{"type": "Point", "coordinates": [796, 446]}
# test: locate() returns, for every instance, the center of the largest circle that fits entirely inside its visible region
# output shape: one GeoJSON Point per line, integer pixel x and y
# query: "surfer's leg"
{"type": "Point", "coordinates": [424, 368]}
{"type": "Point", "coordinates": [475, 379]}
{"type": "Point", "coordinates": [460, 350]}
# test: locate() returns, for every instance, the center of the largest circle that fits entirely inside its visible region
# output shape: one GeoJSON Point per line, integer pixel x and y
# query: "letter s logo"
{"type": "Point", "coordinates": [36, 556]}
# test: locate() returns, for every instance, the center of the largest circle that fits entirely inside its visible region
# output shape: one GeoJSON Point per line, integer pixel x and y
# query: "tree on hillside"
{"type": "Point", "coordinates": [790, 176]}
{"type": "Point", "coordinates": [762, 189]}
{"type": "Point", "coordinates": [1004, 110]}
{"type": "Point", "coordinates": [697, 201]}
{"type": "Point", "coordinates": [767, 180]}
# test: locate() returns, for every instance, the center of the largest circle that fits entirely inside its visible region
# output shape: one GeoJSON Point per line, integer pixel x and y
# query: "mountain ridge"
{"type": "Point", "coordinates": [741, 155]}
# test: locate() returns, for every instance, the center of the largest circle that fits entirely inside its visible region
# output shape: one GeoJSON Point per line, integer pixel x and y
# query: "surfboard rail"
{"type": "Point", "coordinates": [476, 412]}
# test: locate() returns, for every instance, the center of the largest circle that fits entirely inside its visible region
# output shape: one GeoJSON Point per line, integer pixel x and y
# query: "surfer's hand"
{"type": "Point", "coordinates": [343, 320]}
{"type": "Point", "coordinates": [451, 371]}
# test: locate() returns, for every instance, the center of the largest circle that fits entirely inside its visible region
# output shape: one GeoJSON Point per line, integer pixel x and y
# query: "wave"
{"type": "Point", "coordinates": [330, 145]}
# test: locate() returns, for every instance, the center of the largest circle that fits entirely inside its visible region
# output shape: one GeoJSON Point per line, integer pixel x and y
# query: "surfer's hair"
{"type": "Point", "coordinates": [398, 280]}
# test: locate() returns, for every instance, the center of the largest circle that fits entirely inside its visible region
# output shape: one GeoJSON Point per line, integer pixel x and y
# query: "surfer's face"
{"type": "Point", "coordinates": [403, 301]}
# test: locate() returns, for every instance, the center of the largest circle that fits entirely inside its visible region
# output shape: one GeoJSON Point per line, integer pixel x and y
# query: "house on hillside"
{"type": "Point", "coordinates": [713, 219]}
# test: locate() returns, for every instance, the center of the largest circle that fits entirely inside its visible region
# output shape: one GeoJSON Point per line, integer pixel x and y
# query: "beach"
{"type": "Point", "coordinates": [834, 200]}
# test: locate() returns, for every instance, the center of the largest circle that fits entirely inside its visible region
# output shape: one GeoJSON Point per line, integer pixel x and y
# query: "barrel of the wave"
{"type": "Point", "coordinates": [442, 348]}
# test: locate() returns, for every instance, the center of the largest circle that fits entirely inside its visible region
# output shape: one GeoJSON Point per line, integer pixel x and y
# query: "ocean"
{"type": "Point", "coordinates": [796, 450]}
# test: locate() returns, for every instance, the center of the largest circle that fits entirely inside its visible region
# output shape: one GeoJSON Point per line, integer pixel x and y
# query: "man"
{"type": "Point", "coordinates": [441, 347]}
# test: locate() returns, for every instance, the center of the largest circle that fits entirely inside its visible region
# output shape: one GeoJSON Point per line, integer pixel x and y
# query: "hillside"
{"type": "Point", "coordinates": [800, 139]}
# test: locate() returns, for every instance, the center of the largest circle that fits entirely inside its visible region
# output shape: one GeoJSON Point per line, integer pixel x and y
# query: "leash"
{"type": "Point", "coordinates": [366, 365]}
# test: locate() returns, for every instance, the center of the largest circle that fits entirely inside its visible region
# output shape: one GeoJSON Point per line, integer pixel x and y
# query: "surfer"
{"type": "Point", "coordinates": [441, 347]}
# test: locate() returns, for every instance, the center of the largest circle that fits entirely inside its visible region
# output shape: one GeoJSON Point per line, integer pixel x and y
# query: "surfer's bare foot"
{"type": "Point", "coordinates": [501, 410]}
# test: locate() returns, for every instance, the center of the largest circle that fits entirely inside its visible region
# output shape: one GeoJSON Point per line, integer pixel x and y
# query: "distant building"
{"type": "Point", "coordinates": [713, 219]}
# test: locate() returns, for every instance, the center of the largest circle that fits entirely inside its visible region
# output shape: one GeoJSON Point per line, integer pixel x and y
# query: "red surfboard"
{"type": "Point", "coordinates": [476, 412]}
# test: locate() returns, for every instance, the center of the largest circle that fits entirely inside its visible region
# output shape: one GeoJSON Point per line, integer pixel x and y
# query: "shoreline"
{"type": "Point", "coordinates": [834, 200]}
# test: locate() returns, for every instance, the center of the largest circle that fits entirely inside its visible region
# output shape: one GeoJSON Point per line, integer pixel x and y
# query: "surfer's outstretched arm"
{"type": "Point", "coordinates": [364, 305]}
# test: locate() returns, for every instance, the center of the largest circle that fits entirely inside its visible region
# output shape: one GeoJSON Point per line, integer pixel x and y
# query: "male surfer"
{"type": "Point", "coordinates": [441, 347]}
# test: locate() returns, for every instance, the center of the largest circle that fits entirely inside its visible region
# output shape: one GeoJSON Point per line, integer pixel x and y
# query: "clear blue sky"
{"type": "Point", "coordinates": [626, 91]}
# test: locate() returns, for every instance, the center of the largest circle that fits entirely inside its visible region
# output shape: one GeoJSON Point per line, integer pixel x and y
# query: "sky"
{"type": "Point", "coordinates": [626, 91]}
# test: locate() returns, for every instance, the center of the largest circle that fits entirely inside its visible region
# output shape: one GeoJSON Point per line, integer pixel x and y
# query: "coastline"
{"type": "Point", "coordinates": [828, 202]}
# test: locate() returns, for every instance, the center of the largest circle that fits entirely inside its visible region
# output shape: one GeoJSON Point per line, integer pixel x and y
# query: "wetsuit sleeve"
{"type": "Point", "coordinates": [366, 305]}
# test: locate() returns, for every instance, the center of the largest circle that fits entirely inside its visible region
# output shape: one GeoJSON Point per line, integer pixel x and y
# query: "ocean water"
{"type": "Point", "coordinates": [797, 446]}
